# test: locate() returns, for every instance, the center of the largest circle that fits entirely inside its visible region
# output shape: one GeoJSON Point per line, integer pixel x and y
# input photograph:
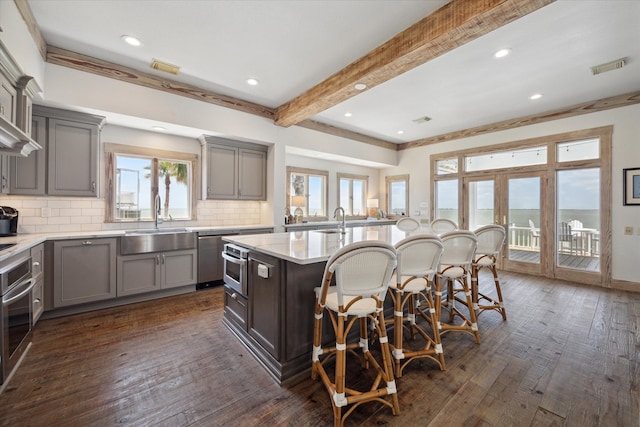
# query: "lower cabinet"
{"type": "Point", "coordinates": [264, 301]}
{"type": "Point", "coordinates": [154, 271]}
{"type": "Point", "coordinates": [235, 308]}
{"type": "Point", "coordinates": [37, 273]}
{"type": "Point", "coordinates": [84, 271]}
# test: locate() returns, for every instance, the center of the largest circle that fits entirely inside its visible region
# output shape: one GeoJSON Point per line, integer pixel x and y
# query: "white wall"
{"type": "Point", "coordinates": [626, 154]}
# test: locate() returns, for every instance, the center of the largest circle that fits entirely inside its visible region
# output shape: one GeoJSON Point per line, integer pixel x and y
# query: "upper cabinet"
{"type": "Point", "coordinates": [235, 170]}
{"type": "Point", "coordinates": [16, 94]}
{"type": "Point", "coordinates": [68, 163]}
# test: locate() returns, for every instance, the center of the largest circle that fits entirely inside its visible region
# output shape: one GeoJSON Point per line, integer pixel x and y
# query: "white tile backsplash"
{"type": "Point", "coordinates": [87, 214]}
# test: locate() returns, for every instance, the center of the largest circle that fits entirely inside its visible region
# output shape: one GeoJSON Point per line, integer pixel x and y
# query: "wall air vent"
{"type": "Point", "coordinates": [613, 65]}
{"type": "Point", "coordinates": [420, 120]}
{"type": "Point", "coordinates": [164, 66]}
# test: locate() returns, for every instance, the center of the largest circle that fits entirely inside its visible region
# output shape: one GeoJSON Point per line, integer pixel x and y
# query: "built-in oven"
{"type": "Point", "coordinates": [236, 261]}
{"type": "Point", "coordinates": [16, 320]}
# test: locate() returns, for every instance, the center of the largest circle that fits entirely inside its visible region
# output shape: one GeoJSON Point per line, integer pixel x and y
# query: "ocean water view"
{"type": "Point", "coordinates": [590, 218]}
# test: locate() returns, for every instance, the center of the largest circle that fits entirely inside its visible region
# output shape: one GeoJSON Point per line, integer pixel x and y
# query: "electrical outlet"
{"type": "Point", "coordinates": [628, 230]}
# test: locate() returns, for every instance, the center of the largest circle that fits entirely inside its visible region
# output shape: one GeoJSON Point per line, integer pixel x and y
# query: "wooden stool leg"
{"type": "Point", "coordinates": [386, 360]}
{"type": "Point", "coordinates": [472, 313]}
{"type": "Point", "coordinates": [502, 310]}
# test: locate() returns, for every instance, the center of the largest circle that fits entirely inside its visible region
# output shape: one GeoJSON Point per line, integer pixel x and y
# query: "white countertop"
{"type": "Point", "coordinates": [26, 241]}
{"type": "Point", "coordinates": [308, 247]}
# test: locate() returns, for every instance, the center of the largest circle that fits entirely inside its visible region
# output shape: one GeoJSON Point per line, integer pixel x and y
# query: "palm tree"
{"type": "Point", "coordinates": [168, 169]}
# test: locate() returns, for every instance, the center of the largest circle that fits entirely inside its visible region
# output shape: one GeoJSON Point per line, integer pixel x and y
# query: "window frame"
{"type": "Point", "coordinates": [352, 178]}
{"type": "Point", "coordinates": [388, 181]}
{"type": "Point", "coordinates": [154, 155]}
{"type": "Point", "coordinates": [324, 197]}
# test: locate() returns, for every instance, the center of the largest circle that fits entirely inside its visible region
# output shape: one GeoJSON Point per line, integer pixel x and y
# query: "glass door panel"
{"type": "Point", "coordinates": [522, 213]}
{"type": "Point", "coordinates": [578, 219]}
{"type": "Point", "coordinates": [481, 203]}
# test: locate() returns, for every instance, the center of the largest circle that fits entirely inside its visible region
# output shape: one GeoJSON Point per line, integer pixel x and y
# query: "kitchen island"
{"type": "Point", "coordinates": [275, 319]}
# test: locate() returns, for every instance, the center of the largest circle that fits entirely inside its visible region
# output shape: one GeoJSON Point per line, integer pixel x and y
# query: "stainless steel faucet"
{"type": "Point", "coordinates": [343, 224]}
{"type": "Point", "coordinates": [158, 203]}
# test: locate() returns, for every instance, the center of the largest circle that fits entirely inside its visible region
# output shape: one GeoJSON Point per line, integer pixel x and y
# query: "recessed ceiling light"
{"type": "Point", "coordinates": [348, 114]}
{"type": "Point", "coordinates": [536, 96]}
{"type": "Point", "coordinates": [400, 132]}
{"type": "Point", "coordinates": [133, 41]}
{"type": "Point", "coordinates": [158, 128]}
{"type": "Point", "coordinates": [502, 53]}
{"type": "Point", "coordinates": [360, 86]}
{"type": "Point", "coordinates": [252, 82]}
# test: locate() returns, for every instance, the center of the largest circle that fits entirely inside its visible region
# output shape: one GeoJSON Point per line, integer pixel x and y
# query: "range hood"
{"type": "Point", "coordinates": [13, 141]}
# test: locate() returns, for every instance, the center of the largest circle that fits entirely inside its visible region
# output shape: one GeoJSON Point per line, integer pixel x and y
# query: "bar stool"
{"type": "Point", "coordinates": [418, 258]}
{"type": "Point", "coordinates": [362, 271]}
{"type": "Point", "coordinates": [453, 270]}
{"type": "Point", "coordinates": [443, 225]}
{"type": "Point", "coordinates": [490, 241]}
{"type": "Point", "coordinates": [408, 224]}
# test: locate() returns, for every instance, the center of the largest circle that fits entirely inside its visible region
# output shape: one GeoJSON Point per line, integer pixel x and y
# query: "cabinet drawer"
{"type": "Point", "coordinates": [235, 307]}
{"type": "Point", "coordinates": [37, 304]}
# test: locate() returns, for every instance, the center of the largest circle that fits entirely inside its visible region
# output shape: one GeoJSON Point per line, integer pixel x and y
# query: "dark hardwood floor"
{"type": "Point", "coordinates": [566, 356]}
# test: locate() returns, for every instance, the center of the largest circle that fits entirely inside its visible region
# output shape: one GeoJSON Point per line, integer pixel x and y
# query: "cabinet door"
{"type": "Point", "coordinates": [4, 174]}
{"type": "Point", "coordinates": [28, 174]}
{"type": "Point", "coordinates": [138, 274]}
{"type": "Point", "coordinates": [222, 172]}
{"type": "Point", "coordinates": [179, 268]}
{"type": "Point", "coordinates": [252, 175]}
{"type": "Point", "coordinates": [264, 302]}
{"type": "Point", "coordinates": [37, 300]}
{"type": "Point", "coordinates": [7, 100]}
{"type": "Point", "coordinates": [37, 261]}
{"type": "Point", "coordinates": [83, 271]}
{"type": "Point", "coordinates": [73, 158]}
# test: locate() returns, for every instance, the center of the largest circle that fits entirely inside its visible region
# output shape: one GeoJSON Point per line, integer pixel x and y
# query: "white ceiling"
{"type": "Point", "coordinates": [290, 46]}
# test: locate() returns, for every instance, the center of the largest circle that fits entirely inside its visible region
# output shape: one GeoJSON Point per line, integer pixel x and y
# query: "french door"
{"type": "Point", "coordinates": [516, 202]}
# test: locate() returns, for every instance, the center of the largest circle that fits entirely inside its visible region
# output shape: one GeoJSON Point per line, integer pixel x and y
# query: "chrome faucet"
{"type": "Point", "coordinates": [158, 202]}
{"type": "Point", "coordinates": [343, 224]}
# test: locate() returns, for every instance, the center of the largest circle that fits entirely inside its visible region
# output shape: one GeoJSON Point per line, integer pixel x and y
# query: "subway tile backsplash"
{"type": "Point", "coordinates": [59, 214]}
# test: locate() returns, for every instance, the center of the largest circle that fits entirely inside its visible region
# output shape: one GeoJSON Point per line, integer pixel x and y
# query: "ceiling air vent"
{"type": "Point", "coordinates": [420, 120]}
{"type": "Point", "coordinates": [164, 66]}
{"type": "Point", "coordinates": [613, 65]}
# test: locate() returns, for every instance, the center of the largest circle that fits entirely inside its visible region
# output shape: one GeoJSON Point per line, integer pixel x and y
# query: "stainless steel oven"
{"type": "Point", "coordinates": [236, 267]}
{"type": "Point", "coordinates": [16, 317]}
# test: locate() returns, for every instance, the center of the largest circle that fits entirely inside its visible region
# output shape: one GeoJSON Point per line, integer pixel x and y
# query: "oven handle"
{"type": "Point", "coordinates": [6, 300]}
{"type": "Point", "coordinates": [233, 259]}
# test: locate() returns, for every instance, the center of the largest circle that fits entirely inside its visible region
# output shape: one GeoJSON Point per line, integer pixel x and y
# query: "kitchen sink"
{"type": "Point", "coordinates": [145, 241]}
{"type": "Point", "coordinates": [155, 231]}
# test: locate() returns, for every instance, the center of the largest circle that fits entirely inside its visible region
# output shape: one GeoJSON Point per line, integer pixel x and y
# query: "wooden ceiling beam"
{"type": "Point", "coordinates": [451, 26]}
{"type": "Point", "coordinates": [617, 101]}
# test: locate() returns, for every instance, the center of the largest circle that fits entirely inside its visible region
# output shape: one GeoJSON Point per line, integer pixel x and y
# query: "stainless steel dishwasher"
{"type": "Point", "coordinates": [210, 263]}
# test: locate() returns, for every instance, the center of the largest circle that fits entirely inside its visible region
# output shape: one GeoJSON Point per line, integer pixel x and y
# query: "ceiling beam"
{"type": "Point", "coordinates": [451, 26]}
{"type": "Point", "coordinates": [617, 101]}
{"type": "Point", "coordinates": [67, 58]}
{"type": "Point", "coordinates": [27, 15]}
{"type": "Point", "coordinates": [344, 133]}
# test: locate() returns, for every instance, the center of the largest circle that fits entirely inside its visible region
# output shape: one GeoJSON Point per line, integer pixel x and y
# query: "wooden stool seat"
{"type": "Point", "coordinates": [490, 241]}
{"type": "Point", "coordinates": [418, 258]}
{"type": "Point", "coordinates": [361, 272]}
{"type": "Point", "coordinates": [453, 271]}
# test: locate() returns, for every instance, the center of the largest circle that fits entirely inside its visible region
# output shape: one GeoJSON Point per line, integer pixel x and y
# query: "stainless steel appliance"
{"type": "Point", "coordinates": [16, 317]}
{"type": "Point", "coordinates": [8, 221]}
{"type": "Point", "coordinates": [236, 261]}
{"type": "Point", "coordinates": [210, 261]}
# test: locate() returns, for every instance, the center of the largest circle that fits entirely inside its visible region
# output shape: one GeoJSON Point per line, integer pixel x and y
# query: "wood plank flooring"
{"type": "Point", "coordinates": [566, 356]}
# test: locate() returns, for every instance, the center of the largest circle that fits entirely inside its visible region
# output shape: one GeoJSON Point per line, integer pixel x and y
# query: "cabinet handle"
{"type": "Point", "coordinates": [36, 301]}
{"type": "Point", "coordinates": [163, 258]}
{"type": "Point", "coordinates": [36, 263]}
{"type": "Point", "coordinates": [234, 296]}
{"type": "Point", "coordinates": [2, 109]}
{"type": "Point", "coordinates": [87, 242]}
{"type": "Point", "coordinates": [93, 186]}
{"type": "Point", "coordinates": [157, 259]}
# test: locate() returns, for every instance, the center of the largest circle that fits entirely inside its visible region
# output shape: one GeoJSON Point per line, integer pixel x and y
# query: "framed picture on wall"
{"type": "Point", "coordinates": [631, 182]}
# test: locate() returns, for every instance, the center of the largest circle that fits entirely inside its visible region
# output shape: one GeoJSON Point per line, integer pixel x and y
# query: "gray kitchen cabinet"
{"type": "Point", "coordinates": [28, 174]}
{"type": "Point", "coordinates": [84, 270]}
{"type": "Point", "coordinates": [68, 163]}
{"type": "Point", "coordinates": [235, 170]}
{"type": "Point", "coordinates": [150, 272]}
{"type": "Point", "coordinates": [37, 273]}
{"type": "Point", "coordinates": [8, 100]}
{"type": "Point", "coordinates": [4, 174]}
{"type": "Point", "coordinates": [264, 301]}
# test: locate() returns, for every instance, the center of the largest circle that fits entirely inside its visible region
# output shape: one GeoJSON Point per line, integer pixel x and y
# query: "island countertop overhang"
{"type": "Point", "coordinates": [309, 247]}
